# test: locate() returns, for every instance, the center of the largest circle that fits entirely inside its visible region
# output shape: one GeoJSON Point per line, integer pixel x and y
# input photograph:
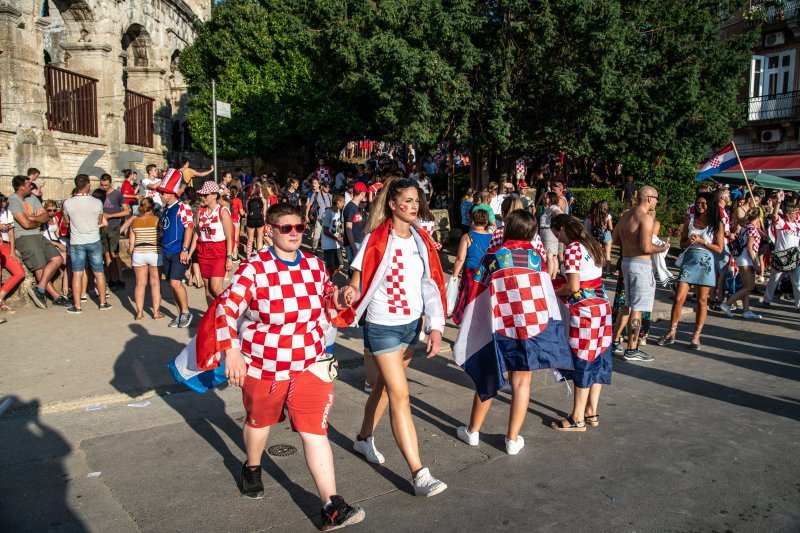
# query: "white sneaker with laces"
{"type": "Point", "coordinates": [367, 448]}
{"type": "Point", "coordinates": [471, 438]}
{"type": "Point", "coordinates": [513, 447]}
{"type": "Point", "coordinates": [749, 315]}
{"type": "Point", "coordinates": [427, 485]}
{"type": "Point", "coordinates": [726, 309]}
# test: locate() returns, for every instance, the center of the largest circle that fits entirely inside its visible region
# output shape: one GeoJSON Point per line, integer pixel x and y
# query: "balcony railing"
{"type": "Point", "coordinates": [778, 106]}
{"type": "Point", "coordinates": [772, 13]}
{"type": "Point", "coordinates": [138, 119]}
{"type": "Point", "coordinates": [71, 102]}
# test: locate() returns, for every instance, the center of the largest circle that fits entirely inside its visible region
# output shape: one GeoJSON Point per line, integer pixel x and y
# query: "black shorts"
{"type": "Point", "coordinates": [173, 268]}
{"type": "Point", "coordinates": [333, 259]}
{"type": "Point", "coordinates": [255, 223]}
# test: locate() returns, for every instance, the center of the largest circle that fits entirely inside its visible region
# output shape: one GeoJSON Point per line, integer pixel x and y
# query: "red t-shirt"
{"type": "Point", "coordinates": [236, 207]}
{"type": "Point", "coordinates": [128, 190]}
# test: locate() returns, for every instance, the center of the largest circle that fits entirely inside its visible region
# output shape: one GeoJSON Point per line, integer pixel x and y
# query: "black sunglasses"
{"type": "Point", "coordinates": [285, 229]}
{"type": "Point", "coordinates": [403, 184]}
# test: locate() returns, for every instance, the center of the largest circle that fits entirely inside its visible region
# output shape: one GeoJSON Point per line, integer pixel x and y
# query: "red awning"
{"type": "Point", "coordinates": [780, 165]}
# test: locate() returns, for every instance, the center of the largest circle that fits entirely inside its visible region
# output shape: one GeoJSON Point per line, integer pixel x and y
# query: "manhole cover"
{"type": "Point", "coordinates": [282, 450]}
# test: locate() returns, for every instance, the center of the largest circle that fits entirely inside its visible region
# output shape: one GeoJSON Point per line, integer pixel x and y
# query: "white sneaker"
{"type": "Point", "coordinates": [368, 450]}
{"type": "Point", "coordinates": [427, 485]}
{"type": "Point", "coordinates": [471, 438]}
{"type": "Point", "coordinates": [513, 447]}
{"type": "Point", "coordinates": [749, 315]}
{"type": "Point", "coordinates": [726, 309]}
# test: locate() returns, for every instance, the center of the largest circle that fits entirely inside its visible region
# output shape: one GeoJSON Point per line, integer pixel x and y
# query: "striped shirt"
{"type": "Point", "coordinates": [145, 229]}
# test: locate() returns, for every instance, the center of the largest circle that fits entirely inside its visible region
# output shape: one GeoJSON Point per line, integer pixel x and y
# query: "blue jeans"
{"type": "Point", "coordinates": [78, 253]}
{"type": "Point", "coordinates": [380, 339]}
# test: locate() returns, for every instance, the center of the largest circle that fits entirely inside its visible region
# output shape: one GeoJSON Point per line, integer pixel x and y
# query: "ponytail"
{"type": "Point", "coordinates": [576, 232]}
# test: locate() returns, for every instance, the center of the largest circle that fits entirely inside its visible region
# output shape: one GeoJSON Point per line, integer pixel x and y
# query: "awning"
{"type": "Point", "coordinates": [784, 166]}
{"type": "Point", "coordinates": [763, 180]}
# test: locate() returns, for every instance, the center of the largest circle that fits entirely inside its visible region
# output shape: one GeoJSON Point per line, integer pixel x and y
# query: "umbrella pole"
{"type": "Point", "coordinates": [746, 181]}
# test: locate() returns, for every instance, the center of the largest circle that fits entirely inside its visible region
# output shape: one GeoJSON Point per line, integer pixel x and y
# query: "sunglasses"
{"type": "Point", "coordinates": [404, 184]}
{"type": "Point", "coordinates": [285, 229]}
{"type": "Point", "coordinates": [52, 210]}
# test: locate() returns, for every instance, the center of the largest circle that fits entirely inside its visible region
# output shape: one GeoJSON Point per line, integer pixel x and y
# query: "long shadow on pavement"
{"type": "Point", "coordinates": [34, 481]}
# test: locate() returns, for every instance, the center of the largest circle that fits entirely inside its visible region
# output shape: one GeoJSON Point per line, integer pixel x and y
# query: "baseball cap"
{"type": "Point", "coordinates": [359, 187]}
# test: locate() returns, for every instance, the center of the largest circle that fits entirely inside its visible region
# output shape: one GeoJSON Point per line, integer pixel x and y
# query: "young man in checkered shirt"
{"type": "Point", "coordinates": [284, 293]}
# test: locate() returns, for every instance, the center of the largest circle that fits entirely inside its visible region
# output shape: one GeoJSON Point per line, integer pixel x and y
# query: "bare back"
{"type": "Point", "coordinates": [635, 229]}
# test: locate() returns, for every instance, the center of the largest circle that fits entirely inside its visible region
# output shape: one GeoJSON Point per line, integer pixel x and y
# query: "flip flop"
{"type": "Point", "coordinates": [573, 425]}
{"type": "Point", "coordinates": [139, 316]}
{"type": "Point", "coordinates": [158, 315]}
{"type": "Point", "coordinates": [593, 423]}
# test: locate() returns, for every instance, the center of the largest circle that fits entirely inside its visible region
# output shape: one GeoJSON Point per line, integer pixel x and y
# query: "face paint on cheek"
{"type": "Point", "coordinates": [403, 208]}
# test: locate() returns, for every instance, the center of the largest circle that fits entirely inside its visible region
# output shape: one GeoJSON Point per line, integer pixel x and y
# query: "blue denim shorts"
{"type": "Point", "coordinates": [78, 253]}
{"type": "Point", "coordinates": [380, 339]}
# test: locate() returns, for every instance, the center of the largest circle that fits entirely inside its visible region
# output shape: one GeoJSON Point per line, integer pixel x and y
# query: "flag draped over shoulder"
{"type": "Point", "coordinates": [512, 320]}
{"type": "Point", "coordinates": [722, 160]}
{"type": "Point", "coordinates": [374, 265]}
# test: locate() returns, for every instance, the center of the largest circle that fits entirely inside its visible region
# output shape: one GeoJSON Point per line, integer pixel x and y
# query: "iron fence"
{"type": "Point", "coordinates": [771, 107]}
{"type": "Point", "coordinates": [71, 101]}
{"type": "Point", "coordinates": [138, 119]}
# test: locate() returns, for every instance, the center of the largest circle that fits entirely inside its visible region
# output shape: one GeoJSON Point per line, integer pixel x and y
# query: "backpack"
{"type": "Point", "coordinates": [313, 211]}
{"type": "Point", "coordinates": [736, 246]}
{"type": "Point", "coordinates": [598, 232]}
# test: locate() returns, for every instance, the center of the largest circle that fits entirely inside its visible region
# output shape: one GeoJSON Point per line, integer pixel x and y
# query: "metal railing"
{"type": "Point", "coordinates": [790, 9]}
{"type": "Point", "coordinates": [138, 119]}
{"type": "Point", "coordinates": [71, 102]}
{"type": "Point", "coordinates": [778, 106]}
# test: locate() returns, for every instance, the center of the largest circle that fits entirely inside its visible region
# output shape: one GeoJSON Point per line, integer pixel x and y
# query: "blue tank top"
{"type": "Point", "coordinates": [173, 230]}
{"type": "Point", "coordinates": [477, 249]}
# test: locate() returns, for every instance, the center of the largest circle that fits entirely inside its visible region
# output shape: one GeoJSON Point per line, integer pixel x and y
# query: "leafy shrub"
{"type": "Point", "coordinates": [584, 197]}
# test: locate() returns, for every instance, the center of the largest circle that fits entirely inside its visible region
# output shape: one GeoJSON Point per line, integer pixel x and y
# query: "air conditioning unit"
{"type": "Point", "coordinates": [774, 39]}
{"type": "Point", "coordinates": [771, 136]}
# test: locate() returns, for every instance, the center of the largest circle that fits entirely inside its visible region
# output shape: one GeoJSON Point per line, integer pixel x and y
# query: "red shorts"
{"type": "Point", "coordinates": [308, 399]}
{"type": "Point", "coordinates": [211, 258]}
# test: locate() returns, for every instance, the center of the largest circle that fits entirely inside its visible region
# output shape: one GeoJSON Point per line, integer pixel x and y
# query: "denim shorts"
{"type": "Point", "coordinates": [78, 253]}
{"type": "Point", "coordinates": [380, 339]}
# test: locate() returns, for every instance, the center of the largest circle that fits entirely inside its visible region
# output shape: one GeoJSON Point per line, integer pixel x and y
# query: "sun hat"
{"type": "Point", "coordinates": [209, 187]}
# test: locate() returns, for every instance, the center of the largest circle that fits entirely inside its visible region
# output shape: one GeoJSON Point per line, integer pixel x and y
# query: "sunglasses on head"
{"type": "Point", "coordinates": [285, 229]}
{"type": "Point", "coordinates": [404, 183]}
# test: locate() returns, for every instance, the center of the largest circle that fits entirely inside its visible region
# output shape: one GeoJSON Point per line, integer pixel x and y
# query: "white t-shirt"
{"type": "Point", "coordinates": [84, 214]}
{"type": "Point", "coordinates": [398, 299]}
{"type": "Point", "coordinates": [151, 193]}
{"type": "Point", "coordinates": [333, 221]}
{"type": "Point", "coordinates": [5, 218]}
{"type": "Point", "coordinates": [787, 234]}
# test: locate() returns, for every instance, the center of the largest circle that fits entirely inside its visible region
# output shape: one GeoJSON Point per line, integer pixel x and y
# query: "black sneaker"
{"type": "Point", "coordinates": [637, 355]}
{"type": "Point", "coordinates": [74, 310]}
{"type": "Point", "coordinates": [61, 301]}
{"type": "Point", "coordinates": [252, 487]}
{"type": "Point", "coordinates": [338, 514]}
{"type": "Point", "coordinates": [39, 299]}
{"type": "Point", "coordinates": [104, 306]}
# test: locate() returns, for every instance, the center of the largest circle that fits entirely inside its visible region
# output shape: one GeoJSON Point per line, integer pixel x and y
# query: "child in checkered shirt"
{"type": "Point", "coordinates": [590, 331]}
{"type": "Point", "coordinates": [286, 295]}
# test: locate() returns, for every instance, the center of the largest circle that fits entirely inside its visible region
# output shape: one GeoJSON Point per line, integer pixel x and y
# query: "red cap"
{"type": "Point", "coordinates": [359, 187]}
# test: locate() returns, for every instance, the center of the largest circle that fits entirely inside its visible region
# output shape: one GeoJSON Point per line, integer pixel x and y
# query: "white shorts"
{"type": "Point", "coordinates": [744, 260]}
{"type": "Point", "coordinates": [139, 259]}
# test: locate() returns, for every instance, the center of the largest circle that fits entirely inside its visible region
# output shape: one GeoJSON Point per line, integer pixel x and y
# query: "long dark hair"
{"type": "Point", "coordinates": [520, 226]}
{"type": "Point", "coordinates": [576, 232]}
{"type": "Point", "coordinates": [713, 216]}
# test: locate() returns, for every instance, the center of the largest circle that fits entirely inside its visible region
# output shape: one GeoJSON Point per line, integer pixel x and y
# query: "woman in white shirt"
{"type": "Point", "coordinates": [397, 268]}
{"type": "Point", "coordinates": [786, 228]}
{"type": "Point", "coordinates": [8, 257]}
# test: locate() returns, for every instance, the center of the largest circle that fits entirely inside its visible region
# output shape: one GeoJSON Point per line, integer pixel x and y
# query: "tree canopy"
{"type": "Point", "coordinates": [651, 84]}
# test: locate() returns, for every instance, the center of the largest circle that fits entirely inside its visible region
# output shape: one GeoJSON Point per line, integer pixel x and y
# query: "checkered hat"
{"type": "Point", "coordinates": [171, 182]}
{"type": "Point", "coordinates": [209, 187]}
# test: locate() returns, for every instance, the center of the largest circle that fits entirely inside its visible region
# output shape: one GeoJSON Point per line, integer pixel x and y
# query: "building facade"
{"type": "Point", "coordinates": [91, 86]}
{"type": "Point", "coordinates": [771, 92]}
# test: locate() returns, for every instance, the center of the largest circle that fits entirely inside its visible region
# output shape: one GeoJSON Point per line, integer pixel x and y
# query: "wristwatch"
{"type": "Point", "coordinates": [184, 249]}
{"type": "Point", "coordinates": [229, 256]}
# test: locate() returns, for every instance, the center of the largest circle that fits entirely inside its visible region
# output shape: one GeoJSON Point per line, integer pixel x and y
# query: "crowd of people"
{"type": "Point", "coordinates": [529, 276]}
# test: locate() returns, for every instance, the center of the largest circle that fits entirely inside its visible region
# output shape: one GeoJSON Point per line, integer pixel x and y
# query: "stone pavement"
{"type": "Point", "coordinates": [100, 439]}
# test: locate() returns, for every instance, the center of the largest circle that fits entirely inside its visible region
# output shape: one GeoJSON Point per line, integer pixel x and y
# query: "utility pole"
{"type": "Point", "coordinates": [214, 123]}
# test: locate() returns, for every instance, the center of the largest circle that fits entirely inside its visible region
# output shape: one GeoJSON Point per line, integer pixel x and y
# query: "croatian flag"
{"type": "Point", "coordinates": [723, 160]}
{"type": "Point", "coordinates": [512, 320]}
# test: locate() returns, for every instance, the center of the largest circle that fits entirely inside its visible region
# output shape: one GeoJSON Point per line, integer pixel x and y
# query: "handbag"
{"type": "Point", "coordinates": [786, 260]}
{"type": "Point", "coordinates": [326, 369]}
{"type": "Point", "coordinates": [452, 294]}
{"type": "Point", "coordinates": [679, 260]}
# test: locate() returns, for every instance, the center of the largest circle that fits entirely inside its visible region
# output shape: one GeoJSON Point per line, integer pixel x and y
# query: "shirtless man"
{"type": "Point", "coordinates": [634, 233]}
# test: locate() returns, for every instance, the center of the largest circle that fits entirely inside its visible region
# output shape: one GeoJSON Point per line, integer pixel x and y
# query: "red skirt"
{"type": "Point", "coordinates": [211, 258]}
{"type": "Point", "coordinates": [464, 288]}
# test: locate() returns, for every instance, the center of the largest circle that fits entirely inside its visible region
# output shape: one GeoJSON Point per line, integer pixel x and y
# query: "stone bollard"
{"type": "Point", "coordinates": [19, 296]}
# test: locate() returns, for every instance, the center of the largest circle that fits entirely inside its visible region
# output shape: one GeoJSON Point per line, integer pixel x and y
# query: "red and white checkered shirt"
{"type": "Point", "coordinates": [323, 173]}
{"type": "Point", "coordinates": [283, 331]}
{"type": "Point", "coordinates": [185, 215]}
{"type": "Point", "coordinates": [209, 225]}
{"type": "Point", "coordinates": [578, 260]}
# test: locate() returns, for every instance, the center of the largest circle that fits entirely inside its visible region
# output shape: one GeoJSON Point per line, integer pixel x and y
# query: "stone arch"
{"type": "Point", "coordinates": [78, 19]}
{"type": "Point", "coordinates": [136, 46]}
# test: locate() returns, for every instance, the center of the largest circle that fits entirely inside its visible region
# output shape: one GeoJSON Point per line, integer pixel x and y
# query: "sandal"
{"type": "Point", "coordinates": [573, 425]}
{"type": "Point", "coordinates": [156, 316]}
{"type": "Point", "coordinates": [4, 308]}
{"type": "Point", "coordinates": [593, 423]}
{"type": "Point", "coordinates": [139, 316]}
{"type": "Point", "coordinates": [695, 344]}
{"type": "Point", "coordinates": [666, 340]}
